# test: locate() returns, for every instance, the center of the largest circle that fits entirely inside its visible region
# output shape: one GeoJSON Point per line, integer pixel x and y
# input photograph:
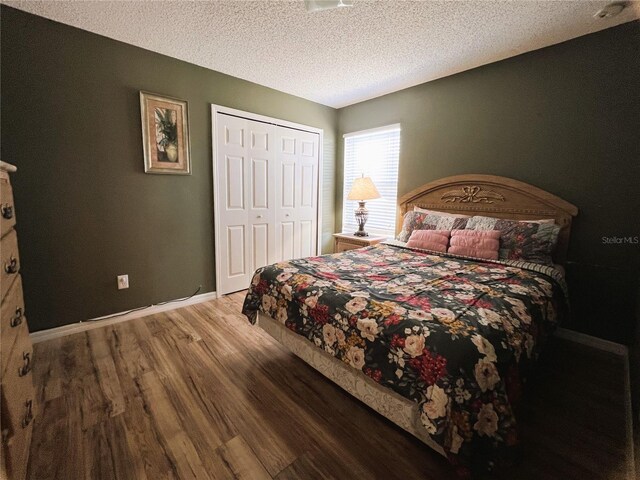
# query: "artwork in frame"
{"type": "Point", "coordinates": [165, 134]}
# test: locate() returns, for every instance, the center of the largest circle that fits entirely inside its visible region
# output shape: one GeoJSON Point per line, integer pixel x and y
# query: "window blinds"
{"type": "Point", "coordinates": [373, 153]}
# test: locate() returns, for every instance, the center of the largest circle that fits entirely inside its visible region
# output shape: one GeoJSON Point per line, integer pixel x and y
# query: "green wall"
{"type": "Point", "coordinates": [86, 211]}
{"type": "Point", "coordinates": [565, 118]}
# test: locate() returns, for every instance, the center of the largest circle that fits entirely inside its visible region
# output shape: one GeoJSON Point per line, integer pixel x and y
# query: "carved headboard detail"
{"type": "Point", "coordinates": [471, 194]}
{"type": "Point", "coordinates": [493, 196]}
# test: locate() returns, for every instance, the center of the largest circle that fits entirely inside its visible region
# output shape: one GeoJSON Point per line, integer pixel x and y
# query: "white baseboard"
{"type": "Point", "coordinates": [98, 322]}
{"type": "Point", "coordinates": [594, 342]}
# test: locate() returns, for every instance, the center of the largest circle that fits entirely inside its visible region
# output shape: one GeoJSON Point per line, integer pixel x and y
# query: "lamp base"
{"type": "Point", "coordinates": [361, 218]}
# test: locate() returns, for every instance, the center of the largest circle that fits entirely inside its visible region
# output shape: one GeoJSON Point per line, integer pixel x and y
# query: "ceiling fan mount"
{"type": "Point", "coordinates": [319, 5]}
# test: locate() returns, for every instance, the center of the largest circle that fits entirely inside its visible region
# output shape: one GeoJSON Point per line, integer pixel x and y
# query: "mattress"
{"type": "Point", "coordinates": [386, 402]}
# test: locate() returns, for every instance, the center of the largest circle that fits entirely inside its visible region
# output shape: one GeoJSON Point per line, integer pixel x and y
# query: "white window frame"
{"type": "Point", "coordinates": [348, 218]}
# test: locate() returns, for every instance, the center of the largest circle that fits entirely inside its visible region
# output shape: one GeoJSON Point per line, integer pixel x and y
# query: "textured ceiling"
{"type": "Point", "coordinates": [335, 57]}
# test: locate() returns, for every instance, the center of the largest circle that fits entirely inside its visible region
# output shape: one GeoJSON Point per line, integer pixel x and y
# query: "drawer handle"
{"type": "Point", "coordinates": [7, 211]}
{"type": "Point", "coordinates": [17, 319]}
{"type": "Point", "coordinates": [12, 266]}
{"type": "Point", "coordinates": [28, 416]}
{"type": "Point", "coordinates": [26, 368]}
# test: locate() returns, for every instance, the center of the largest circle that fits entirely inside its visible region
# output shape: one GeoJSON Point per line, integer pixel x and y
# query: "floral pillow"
{"type": "Point", "coordinates": [427, 221]}
{"type": "Point", "coordinates": [521, 240]}
{"type": "Point", "coordinates": [436, 212]}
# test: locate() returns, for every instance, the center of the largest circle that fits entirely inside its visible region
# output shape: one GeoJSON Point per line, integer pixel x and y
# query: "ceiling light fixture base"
{"type": "Point", "coordinates": [319, 5]}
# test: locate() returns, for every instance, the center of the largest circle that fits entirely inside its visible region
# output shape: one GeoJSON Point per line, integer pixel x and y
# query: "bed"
{"type": "Point", "coordinates": [439, 344]}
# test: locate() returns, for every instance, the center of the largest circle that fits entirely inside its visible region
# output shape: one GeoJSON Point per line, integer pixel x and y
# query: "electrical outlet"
{"type": "Point", "coordinates": [123, 281]}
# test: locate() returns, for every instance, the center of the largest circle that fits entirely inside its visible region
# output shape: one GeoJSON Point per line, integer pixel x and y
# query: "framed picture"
{"type": "Point", "coordinates": [165, 134]}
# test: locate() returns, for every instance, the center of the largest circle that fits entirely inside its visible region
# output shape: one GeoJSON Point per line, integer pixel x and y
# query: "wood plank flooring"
{"type": "Point", "coordinates": [200, 393]}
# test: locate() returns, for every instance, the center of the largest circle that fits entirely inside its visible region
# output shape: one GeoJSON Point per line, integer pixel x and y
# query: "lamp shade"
{"type": "Point", "coordinates": [363, 189]}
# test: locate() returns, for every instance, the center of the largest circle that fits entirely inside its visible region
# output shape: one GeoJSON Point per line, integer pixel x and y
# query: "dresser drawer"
{"type": "Point", "coordinates": [344, 246]}
{"type": "Point", "coordinates": [10, 261]}
{"type": "Point", "coordinates": [7, 209]}
{"type": "Point", "coordinates": [17, 453]}
{"type": "Point", "coordinates": [13, 323]}
{"type": "Point", "coordinates": [17, 388]}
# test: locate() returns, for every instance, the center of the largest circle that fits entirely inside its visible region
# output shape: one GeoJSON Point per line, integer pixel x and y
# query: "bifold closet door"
{"type": "Point", "coordinates": [296, 193]}
{"type": "Point", "coordinates": [245, 199]}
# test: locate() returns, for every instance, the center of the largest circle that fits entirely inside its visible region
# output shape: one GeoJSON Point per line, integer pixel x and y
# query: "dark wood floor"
{"type": "Point", "coordinates": [199, 393]}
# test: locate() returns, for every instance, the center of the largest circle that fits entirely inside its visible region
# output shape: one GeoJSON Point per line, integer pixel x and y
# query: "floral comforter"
{"type": "Point", "coordinates": [455, 335]}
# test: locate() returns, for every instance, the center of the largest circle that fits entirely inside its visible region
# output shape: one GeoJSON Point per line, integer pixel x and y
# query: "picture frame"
{"type": "Point", "coordinates": [165, 134]}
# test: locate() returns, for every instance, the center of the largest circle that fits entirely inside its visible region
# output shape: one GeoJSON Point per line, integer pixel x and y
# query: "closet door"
{"type": "Point", "coordinates": [262, 205]}
{"type": "Point", "coordinates": [296, 193]}
{"type": "Point", "coordinates": [245, 169]}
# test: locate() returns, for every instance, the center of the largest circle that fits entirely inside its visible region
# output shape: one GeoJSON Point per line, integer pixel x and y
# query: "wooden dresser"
{"type": "Point", "coordinates": [17, 392]}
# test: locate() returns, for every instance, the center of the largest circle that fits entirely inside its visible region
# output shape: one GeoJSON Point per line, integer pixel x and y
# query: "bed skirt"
{"type": "Point", "coordinates": [386, 402]}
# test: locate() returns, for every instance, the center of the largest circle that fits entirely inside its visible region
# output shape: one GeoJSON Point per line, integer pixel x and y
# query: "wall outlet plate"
{"type": "Point", "coordinates": [123, 282]}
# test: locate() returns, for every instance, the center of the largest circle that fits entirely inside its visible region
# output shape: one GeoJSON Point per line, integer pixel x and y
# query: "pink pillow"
{"type": "Point", "coordinates": [435, 240]}
{"type": "Point", "coordinates": [475, 243]}
{"type": "Point", "coordinates": [484, 240]}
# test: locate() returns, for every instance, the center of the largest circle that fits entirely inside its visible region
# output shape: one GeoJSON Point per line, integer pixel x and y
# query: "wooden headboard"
{"type": "Point", "coordinates": [493, 196]}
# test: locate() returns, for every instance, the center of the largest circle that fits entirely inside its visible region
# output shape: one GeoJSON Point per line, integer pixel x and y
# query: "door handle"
{"type": "Point", "coordinates": [259, 216]}
{"type": "Point", "coordinates": [286, 214]}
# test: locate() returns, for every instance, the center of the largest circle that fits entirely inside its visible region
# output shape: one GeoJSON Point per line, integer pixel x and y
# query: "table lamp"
{"type": "Point", "coordinates": [361, 190]}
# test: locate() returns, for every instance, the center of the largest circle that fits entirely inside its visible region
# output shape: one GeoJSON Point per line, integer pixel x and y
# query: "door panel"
{"type": "Point", "coordinates": [302, 209]}
{"type": "Point", "coordinates": [307, 195]}
{"type": "Point", "coordinates": [259, 179]}
{"type": "Point", "coordinates": [286, 159]}
{"type": "Point", "coordinates": [234, 135]}
{"type": "Point", "coordinates": [236, 243]}
{"type": "Point", "coordinates": [306, 185]}
{"type": "Point", "coordinates": [287, 186]}
{"type": "Point", "coordinates": [260, 140]}
{"type": "Point", "coordinates": [261, 245]}
{"type": "Point", "coordinates": [235, 182]}
{"type": "Point", "coordinates": [308, 149]}
{"type": "Point", "coordinates": [286, 240]}
{"type": "Point", "coordinates": [306, 238]}
{"type": "Point", "coordinates": [231, 191]}
{"type": "Point", "coordinates": [263, 206]}
{"type": "Point", "coordinates": [288, 143]}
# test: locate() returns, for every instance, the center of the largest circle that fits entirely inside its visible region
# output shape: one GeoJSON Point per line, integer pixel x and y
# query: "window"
{"type": "Point", "coordinates": [373, 153]}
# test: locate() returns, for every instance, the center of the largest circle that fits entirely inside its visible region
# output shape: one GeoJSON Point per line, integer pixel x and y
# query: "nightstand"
{"type": "Point", "coordinates": [348, 241]}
